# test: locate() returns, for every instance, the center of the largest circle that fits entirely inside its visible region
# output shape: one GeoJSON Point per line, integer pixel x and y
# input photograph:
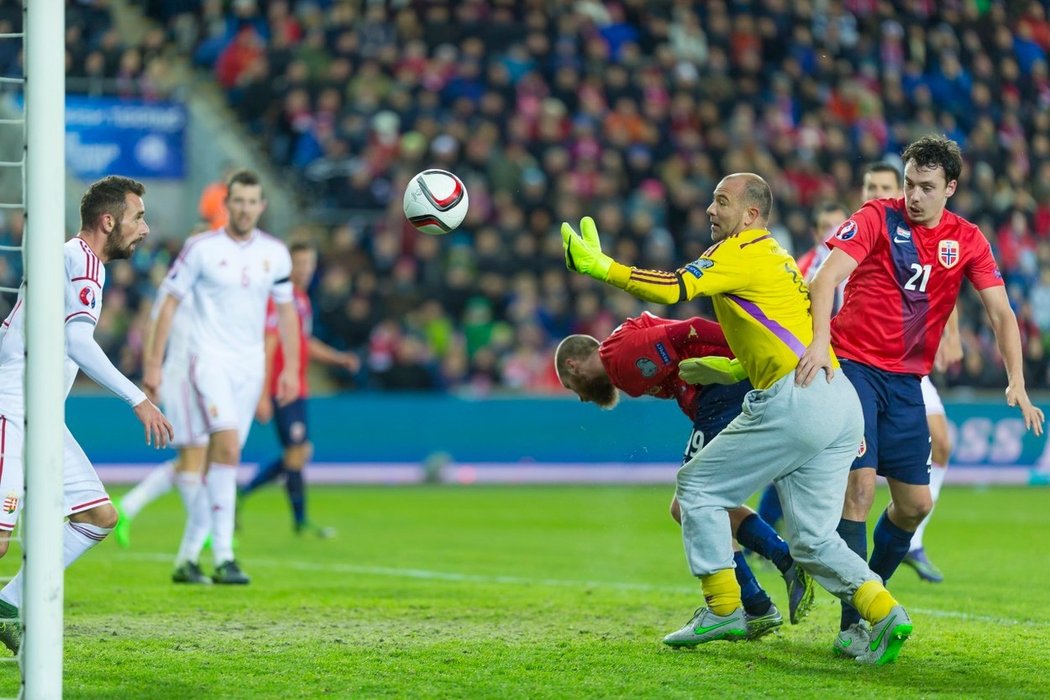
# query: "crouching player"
{"type": "Point", "coordinates": [642, 356]}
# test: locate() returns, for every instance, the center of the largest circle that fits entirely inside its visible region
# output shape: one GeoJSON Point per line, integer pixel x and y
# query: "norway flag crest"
{"type": "Point", "coordinates": [948, 254]}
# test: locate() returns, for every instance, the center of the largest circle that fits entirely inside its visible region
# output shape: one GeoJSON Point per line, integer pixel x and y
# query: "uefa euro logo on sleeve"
{"type": "Point", "coordinates": [87, 297]}
{"type": "Point", "coordinates": [847, 231]}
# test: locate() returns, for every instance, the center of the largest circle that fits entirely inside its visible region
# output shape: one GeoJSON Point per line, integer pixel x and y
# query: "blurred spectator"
{"type": "Point", "coordinates": [629, 111]}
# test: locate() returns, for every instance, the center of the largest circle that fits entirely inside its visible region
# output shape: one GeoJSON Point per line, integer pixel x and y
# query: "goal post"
{"type": "Point", "coordinates": [45, 346]}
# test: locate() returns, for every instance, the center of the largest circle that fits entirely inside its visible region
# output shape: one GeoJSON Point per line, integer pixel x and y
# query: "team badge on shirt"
{"type": "Point", "coordinates": [862, 450]}
{"type": "Point", "coordinates": [948, 253]}
{"type": "Point", "coordinates": [646, 366]}
{"type": "Point", "coordinates": [847, 230]}
{"type": "Point", "coordinates": [87, 297]}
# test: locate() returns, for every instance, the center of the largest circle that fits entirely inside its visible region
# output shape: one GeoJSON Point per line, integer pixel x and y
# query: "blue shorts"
{"type": "Point", "coordinates": [896, 435]}
{"type": "Point", "coordinates": [291, 423]}
{"type": "Point", "coordinates": [718, 405]}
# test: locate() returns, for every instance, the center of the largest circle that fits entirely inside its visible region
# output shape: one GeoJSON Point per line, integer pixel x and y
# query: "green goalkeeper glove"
{"type": "Point", "coordinates": [583, 253]}
{"type": "Point", "coordinates": [711, 370]}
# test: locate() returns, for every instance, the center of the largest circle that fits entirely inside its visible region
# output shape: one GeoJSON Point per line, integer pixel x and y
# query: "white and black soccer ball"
{"type": "Point", "coordinates": [435, 201]}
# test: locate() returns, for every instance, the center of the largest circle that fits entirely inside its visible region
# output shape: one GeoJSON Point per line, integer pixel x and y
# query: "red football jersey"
{"type": "Point", "coordinates": [906, 284]}
{"type": "Point", "coordinates": [642, 355]}
{"type": "Point", "coordinates": [304, 309]}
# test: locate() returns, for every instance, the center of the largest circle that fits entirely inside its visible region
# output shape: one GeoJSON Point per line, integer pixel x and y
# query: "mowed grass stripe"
{"type": "Point", "coordinates": [394, 572]}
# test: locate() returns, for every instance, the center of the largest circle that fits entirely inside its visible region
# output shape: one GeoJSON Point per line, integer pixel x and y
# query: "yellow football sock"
{"type": "Point", "coordinates": [721, 591]}
{"type": "Point", "coordinates": [873, 601]}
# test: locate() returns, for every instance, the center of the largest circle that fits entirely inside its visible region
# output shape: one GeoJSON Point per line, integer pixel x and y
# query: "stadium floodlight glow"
{"type": "Point", "coordinates": [44, 160]}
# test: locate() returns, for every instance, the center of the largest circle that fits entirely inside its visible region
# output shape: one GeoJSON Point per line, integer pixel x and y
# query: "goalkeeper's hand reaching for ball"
{"type": "Point", "coordinates": [583, 251]}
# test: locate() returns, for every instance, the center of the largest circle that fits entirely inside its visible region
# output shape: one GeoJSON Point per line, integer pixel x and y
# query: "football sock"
{"type": "Point", "coordinates": [769, 508]}
{"type": "Point", "coordinates": [855, 534]}
{"type": "Point", "coordinates": [157, 483]}
{"type": "Point", "coordinates": [296, 496]}
{"type": "Point", "coordinates": [937, 473]}
{"type": "Point", "coordinates": [755, 600]}
{"type": "Point", "coordinates": [263, 476]}
{"type": "Point", "coordinates": [198, 516]}
{"type": "Point", "coordinates": [873, 601]}
{"type": "Point", "coordinates": [77, 538]}
{"type": "Point", "coordinates": [222, 492]}
{"type": "Point", "coordinates": [721, 591]}
{"type": "Point", "coordinates": [755, 534]}
{"type": "Point", "coordinates": [889, 546]}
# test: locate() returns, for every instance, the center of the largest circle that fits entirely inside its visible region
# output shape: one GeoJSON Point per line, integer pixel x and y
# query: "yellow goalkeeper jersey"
{"type": "Point", "coordinates": [759, 295]}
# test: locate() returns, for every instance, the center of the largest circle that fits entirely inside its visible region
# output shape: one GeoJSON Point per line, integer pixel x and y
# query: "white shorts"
{"type": "Point", "coordinates": [226, 394]}
{"type": "Point", "coordinates": [930, 397]}
{"type": "Point", "coordinates": [177, 398]}
{"type": "Point", "coordinates": [81, 488]}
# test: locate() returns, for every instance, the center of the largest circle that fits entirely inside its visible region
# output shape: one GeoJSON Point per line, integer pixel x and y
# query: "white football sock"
{"type": "Point", "coordinates": [157, 483]}
{"type": "Point", "coordinates": [937, 472]}
{"type": "Point", "coordinates": [222, 491]}
{"type": "Point", "coordinates": [198, 516]}
{"type": "Point", "coordinates": [77, 538]}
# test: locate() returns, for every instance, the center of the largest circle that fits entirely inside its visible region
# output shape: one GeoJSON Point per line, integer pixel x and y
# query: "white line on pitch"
{"type": "Point", "coordinates": [428, 575]}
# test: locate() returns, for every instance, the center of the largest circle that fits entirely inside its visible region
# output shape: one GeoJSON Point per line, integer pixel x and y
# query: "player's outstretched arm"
{"type": "Point", "coordinates": [583, 254]}
{"type": "Point", "coordinates": [583, 251]}
{"type": "Point", "coordinates": [817, 356]}
{"type": "Point", "coordinates": [84, 351]}
{"type": "Point", "coordinates": [1008, 338]}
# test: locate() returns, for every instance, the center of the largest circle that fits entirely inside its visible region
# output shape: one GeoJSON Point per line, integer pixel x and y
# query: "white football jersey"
{"type": "Point", "coordinates": [229, 283]}
{"type": "Point", "coordinates": [85, 277]}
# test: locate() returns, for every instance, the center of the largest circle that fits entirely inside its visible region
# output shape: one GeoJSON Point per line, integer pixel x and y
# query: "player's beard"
{"type": "Point", "coordinates": [116, 247]}
{"type": "Point", "coordinates": [599, 390]}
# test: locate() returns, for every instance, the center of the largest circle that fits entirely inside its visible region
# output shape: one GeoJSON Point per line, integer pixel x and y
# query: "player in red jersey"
{"type": "Point", "coordinates": [905, 259]}
{"type": "Point", "coordinates": [290, 419]}
{"type": "Point", "coordinates": [641, 357]}
{"type": "Point", "coordinates": [883, 181]}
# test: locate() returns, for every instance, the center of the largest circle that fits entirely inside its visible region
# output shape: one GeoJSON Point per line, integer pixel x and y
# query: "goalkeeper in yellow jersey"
{"type": "Point", "coordinates": [802, 439]}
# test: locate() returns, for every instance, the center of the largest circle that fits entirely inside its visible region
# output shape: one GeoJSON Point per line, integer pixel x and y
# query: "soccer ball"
{"type": "Point", "coordinates": [435, 202]}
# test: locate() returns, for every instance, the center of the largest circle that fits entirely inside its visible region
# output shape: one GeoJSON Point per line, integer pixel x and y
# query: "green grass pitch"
{"type": "Point", "coordinates": [528, 592]}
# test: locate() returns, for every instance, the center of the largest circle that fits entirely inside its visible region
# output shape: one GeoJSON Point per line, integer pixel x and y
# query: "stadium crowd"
{"type": "Point", "coordinates": [629, 111]}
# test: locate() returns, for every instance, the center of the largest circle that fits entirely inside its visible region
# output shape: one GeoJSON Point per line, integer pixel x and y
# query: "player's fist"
{"type": "Point", "coordinates": [583, 253]}
{"type": "Point", "coordinates": [711, 370]}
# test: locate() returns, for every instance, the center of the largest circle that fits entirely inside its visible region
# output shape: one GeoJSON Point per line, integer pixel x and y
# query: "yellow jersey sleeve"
{"type": "Point", "coordinates": [759, 295]}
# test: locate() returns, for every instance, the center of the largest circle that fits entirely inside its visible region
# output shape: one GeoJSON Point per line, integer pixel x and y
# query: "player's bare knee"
{"type": "Point", "coordinates": [737, 516]}
{"type": "Point", "coordinates": [224, 454]}
{"type": "Point", "coordinates": [5, 542]}
{"type": "Point", "coordinates": [104, 516]}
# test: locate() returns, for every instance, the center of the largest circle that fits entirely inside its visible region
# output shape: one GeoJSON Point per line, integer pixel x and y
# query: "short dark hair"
{"type": "Point", "coordinates": [301, 247]}
{"type": "Point", "coordinates": [936, 151]}
{"type": "Point", "coordinates": [242, 177]}
{"type": "Point", "coordinates": [757, 193]}
{"type": "Point", "coordinates": [574, 347]}
{"type": "Point", "coordinates": [107, 196]}
{"type": "Point", "coordinates": [885, 168]}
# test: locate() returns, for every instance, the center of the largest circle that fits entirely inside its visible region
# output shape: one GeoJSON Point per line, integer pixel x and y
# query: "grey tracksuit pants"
{"type": "Point", "coordinates": [803, 440]}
